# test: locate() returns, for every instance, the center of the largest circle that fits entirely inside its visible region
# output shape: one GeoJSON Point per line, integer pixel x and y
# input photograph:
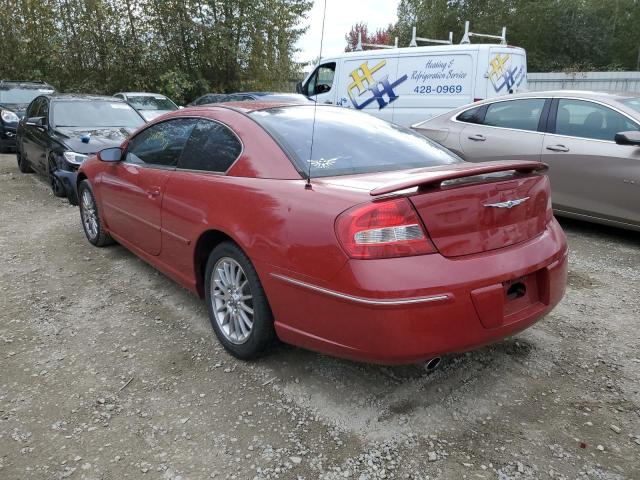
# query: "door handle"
{"type": "Point", "coordinates": [477, 138]}
{"type": "Point", "coordinates": [153, 192]}
{"type": "Point", "coordinates": [557, 148]}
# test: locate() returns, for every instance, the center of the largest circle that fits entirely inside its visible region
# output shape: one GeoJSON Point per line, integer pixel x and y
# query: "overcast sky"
{"type": "Point", "coordinates": [341, 15]}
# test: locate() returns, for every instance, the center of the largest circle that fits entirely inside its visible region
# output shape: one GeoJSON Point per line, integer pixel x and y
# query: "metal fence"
{"type": "Point", "coordinates": [598, 81]}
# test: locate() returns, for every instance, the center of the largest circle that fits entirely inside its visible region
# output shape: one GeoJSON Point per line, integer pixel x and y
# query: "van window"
{"type": "Point", "coordinates": [470, 116]}
{"type": "Point", "coordinates": [519, 114]}
{"type": "Point", "coordinates": [579, 118]}
{"type": "Point", "coordinates": [322, 80]}
{"type": "Point", "coordinates": [347, 142]}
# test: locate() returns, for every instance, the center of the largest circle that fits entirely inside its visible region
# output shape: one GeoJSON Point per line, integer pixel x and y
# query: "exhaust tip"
{"type": "Point", "coordinates": [432, 364]}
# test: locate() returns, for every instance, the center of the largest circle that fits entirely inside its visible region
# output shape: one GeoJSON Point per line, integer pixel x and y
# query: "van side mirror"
{"type": "Point", "coordinates": [37, 122]}
{"type": "Point", "coordinates": [110, 154]}
{"type": "Point", "coordinates": [299, 87]}
{"type": "Point", "coordinates": [628, 138]}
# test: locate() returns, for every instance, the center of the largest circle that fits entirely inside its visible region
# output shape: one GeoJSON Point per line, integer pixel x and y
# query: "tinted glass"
{"type": "Point", "coordinates": [95, 114]}
{"type": "Point", "coordinates": [151, 103]}
{"type": "Point", "coordinates": [160, 144]}
{"type": "Point", "coordinates": [579, 118]}
{"type": "Point", "coordinates": [322, 76]}
{"type": "Point", "coordinates": [520, 114]}
{"type": "Point", "coordinates": [34, 108]}
{"type": "Point", "coordinates": [211, 146]}
{"type": "Point", "coordinates": [469, 116]}
{"type": "Point", "coordinates": [17, 94]}
{"type": "Point", "coordinates": [348, 142]}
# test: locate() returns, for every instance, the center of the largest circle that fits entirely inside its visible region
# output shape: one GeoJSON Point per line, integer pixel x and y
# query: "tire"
{"type": "Point", "coordinates": [90, 217]}
{"type": "Point", "coordinates": [23, 164]}
{"type": "Point", "coordinates": [227, 302]}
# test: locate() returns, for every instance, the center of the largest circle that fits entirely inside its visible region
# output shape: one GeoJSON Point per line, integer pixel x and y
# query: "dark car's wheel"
{"type": "Point", "coordinates": [90, 217]}
{"type": "Point", "coordinates": [238, 307]}
{"type": "Point", "coordinates": [56, 184]}
{"type": "Point", "coordinates": [23, 163]}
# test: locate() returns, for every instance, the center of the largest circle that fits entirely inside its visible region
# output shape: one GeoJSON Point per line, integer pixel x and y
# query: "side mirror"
{"type": "Point", "coordinates": [110, 154]}
{"type": "Point", "coordinates": [628, 138]}
{"type": "Point", "coordinates": [37, 122]}
{"type": "Point", "coordinates": [299, 87]}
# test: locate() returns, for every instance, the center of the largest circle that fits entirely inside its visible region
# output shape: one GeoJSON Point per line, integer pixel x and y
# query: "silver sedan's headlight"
{"type": "Point", "coordinates": [8, 116]}
{"type": "Point", "coordinates": [74, 158]}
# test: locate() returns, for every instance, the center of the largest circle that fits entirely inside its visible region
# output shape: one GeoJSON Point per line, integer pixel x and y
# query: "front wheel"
{"type": "Point", "coordinates": [90, 217]}
{"type": "Point", "coordinates": [238, 307]}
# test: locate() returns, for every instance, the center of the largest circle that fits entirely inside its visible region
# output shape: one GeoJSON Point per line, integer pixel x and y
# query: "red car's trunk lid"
{"type": "Point", "coordinates": [478, 217]}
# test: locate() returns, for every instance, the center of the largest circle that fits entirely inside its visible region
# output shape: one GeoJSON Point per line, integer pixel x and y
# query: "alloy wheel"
{"type": "Point", "coordinates": [89, 215]}
{"type": "Point", "coordinates": [232, 300]}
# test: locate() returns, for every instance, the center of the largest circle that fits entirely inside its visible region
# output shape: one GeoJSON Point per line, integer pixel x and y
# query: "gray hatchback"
{"type": "Point", "coordinates": [590, 140]}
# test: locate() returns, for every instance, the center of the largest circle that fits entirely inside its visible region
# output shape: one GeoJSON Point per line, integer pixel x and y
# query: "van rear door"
{"type": "Point", "coordinates": [368, 84]}
{"type": "Point", "coordinates": [506, 71]}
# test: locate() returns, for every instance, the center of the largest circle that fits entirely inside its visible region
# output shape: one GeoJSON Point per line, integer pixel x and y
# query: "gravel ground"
{"type": "Point", "coordinates": [109, 370]}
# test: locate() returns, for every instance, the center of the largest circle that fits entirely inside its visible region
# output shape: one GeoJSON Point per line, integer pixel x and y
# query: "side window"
{"type": "Point", "coordinates": [43, 111]}
{"type": "Point", "coordinates": [519, 114]}
{"type": "Point", "coordinates": [470, 116]}
{"type": "Point", "coordinates": [322, 80]}
{"type": "Point", "coordinates": [211, 147]}
{"type": "Point", "coordinates": [160, 144]}
{"type": "Point", "coordinates": [579, 118]}
{"type": "Point", "coordinates": [34, 107]}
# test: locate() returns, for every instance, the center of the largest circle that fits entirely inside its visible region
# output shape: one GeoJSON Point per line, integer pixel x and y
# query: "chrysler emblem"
{"type": "Point", "coordinates": [508, 203]}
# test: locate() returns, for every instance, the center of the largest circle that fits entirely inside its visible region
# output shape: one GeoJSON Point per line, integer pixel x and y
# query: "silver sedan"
{"type": "Point", "coordinates": [590, 140]}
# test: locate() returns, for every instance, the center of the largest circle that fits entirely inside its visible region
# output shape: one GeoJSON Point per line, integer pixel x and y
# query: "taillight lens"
{"type": "Point", "coordinates": [383, 230]}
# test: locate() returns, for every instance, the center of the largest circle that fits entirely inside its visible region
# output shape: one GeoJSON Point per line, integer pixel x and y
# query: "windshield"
{"type": "Point", "coordinates": [348, 142]}
{"type": "Point", "coordinates": [20, 94]}
{"type": "Point", "coordinates": [90, 114]}
{"type": "Point", "coordinates": [151, 103]}
{"type": "Point", "coordinates": [632, 103]}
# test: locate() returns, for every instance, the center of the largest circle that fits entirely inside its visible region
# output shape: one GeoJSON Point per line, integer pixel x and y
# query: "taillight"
{"type": "Point", "coordinates": [382, 230]}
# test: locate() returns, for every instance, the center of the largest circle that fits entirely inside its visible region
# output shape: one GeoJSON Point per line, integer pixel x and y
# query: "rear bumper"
{"type": "Point", "coordinates": [406, 310]}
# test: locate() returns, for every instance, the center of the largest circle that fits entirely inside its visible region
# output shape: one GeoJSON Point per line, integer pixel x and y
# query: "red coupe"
{"type": "Point", "coordinates": [330, 229]}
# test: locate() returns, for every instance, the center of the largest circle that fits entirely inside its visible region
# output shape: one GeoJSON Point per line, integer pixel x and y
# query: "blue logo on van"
{"type": "Point", "coordinates": [363, 81]}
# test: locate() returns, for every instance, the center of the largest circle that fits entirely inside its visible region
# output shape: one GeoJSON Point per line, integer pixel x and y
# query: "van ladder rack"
{"type": "Point", "coordinates": [360, 46]}
{"type": "Point", "coordinates": [415, 40]}
{"type": "Point", "coordinates": [466, 38]}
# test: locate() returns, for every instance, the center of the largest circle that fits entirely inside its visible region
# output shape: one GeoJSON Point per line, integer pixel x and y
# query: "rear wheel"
{"type": "Point", "coordinates": [90, 217]}
{"type": "Point", "coordinates": [238, 307]}
{"type": "Point", "coordinates": [23, 163]}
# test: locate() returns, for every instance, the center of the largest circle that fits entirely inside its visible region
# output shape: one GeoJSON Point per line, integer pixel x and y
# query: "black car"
{"type": "Point", "coordinates": [59, 132]}
{"type": "Point", "coordinates": [14, 98]}
{"type": "Point", "coordinates": [245, 96]}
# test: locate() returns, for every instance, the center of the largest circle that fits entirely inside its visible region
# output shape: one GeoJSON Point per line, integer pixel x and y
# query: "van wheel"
{"type": "Point", "coordinates": [238, 307]}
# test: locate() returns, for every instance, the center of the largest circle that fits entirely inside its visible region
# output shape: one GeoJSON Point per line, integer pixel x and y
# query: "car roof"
{"type": "Point", "coordinates": [82, 97]}
{"type": "Point", "coordinates": [588, 94]}
{"type": "Point", "coordinates": [142, 94]}
{"type": "Point", "coordinates": [246, 107]}
{"type": "Point", "coordinates": [27, 83]}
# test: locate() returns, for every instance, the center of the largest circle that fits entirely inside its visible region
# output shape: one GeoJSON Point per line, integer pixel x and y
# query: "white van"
{"type": "Point", "coordinates": [413, 84]}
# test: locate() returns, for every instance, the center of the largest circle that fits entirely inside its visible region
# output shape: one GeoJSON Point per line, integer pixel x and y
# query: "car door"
{"type": "Point", "coordinates": [505, 130]}
{"type": "Point", "coordinates": [31, 134]}
{"type": "Point", "coordinates": [591, 174]}
{"type": "Point", "coordinates": [132, 190]}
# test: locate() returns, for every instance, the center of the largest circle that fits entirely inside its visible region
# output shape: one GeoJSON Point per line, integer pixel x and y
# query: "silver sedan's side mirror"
{"type": "Point", "coordinates": [628, 138]}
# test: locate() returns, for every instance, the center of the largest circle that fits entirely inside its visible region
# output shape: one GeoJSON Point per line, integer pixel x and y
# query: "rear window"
{"type": "Point", "coordinates": [145, 102]}
{"type": "Point", "coordinates": [347, 142]}
{"type": "Point", "coordinates": [21, 94]}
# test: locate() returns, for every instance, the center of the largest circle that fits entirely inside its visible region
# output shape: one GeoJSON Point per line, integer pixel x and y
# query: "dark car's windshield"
{"type": "Point", "coordinates": [20, 94]}
{"type": "Point", "coordinates": [633, 103]}
{"type": "Point", "coordinates": [92, 113]}
{"type": "Point", "coordinates": [348, 142]}
{"type": "Point", "coordinates": [151, 103]}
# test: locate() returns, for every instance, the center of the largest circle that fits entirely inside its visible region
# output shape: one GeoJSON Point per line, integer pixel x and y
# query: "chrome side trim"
{"type": "Point", "coordinates": [366, 301]}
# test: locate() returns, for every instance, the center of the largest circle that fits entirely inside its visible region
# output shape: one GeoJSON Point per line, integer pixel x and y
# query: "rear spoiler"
{"type": "Point", "coordinates": [457, 170]}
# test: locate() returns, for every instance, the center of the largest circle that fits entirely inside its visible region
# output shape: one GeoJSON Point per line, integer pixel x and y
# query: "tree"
{"type": "Point", "coordinates": [381, 36]}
